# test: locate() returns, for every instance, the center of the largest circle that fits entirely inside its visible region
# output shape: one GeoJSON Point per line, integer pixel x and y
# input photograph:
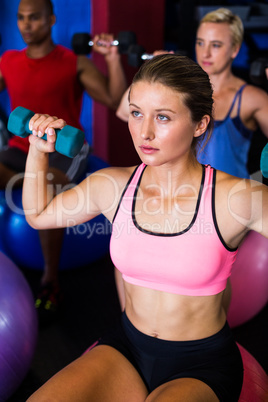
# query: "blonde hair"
{"type": "Point", "coordinates": [224, 15]}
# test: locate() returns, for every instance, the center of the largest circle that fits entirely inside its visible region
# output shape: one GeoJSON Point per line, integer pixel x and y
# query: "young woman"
{"type": "Point", "coordinates": [176, 228]}
{"type": "Point", "coordinates": [239, 108]}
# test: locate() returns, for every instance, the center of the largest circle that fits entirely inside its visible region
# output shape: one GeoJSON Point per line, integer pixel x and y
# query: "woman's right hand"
{"type": "Point", "coordinates": [41, 124]}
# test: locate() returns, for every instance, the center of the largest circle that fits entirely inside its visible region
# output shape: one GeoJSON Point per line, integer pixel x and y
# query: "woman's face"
{"type": "Point", "coordinates": [214, 48]}
{"type": "Point", "coordinates": [160, 124]}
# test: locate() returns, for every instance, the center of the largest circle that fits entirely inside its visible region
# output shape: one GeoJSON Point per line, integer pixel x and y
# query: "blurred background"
{"type": "Point", "coordinates": [165, 24]}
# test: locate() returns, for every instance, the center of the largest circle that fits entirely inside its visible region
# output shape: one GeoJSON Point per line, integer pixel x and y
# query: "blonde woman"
{"type": "Point", "coordinates": [239, 108]}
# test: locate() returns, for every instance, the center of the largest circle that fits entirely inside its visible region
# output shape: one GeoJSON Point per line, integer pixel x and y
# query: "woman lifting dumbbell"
{"type": "Point", "coordinates": [176, 228]}
{"type": "Point", "coordinates": [239, 108]}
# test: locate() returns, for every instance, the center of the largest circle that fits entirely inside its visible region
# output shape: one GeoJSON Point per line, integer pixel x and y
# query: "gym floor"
{"type": "Point", "coordinates": [90, 306]}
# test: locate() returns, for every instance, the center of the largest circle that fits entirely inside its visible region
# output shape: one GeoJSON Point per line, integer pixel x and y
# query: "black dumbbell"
{"type": "Point", "coordinates": [257, 71]}
{"type": "Point", "coordinates": [69, 140]}
{"type": "Point", "coordinates": [82, 43]}
{"type": "Point", "coordinates": [137, 55]}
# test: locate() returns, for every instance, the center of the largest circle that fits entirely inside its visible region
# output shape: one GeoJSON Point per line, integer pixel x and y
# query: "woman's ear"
{"type": "Point", "coordinates": [235, 52]}
{"type": "Point", "coordinates": [202, 126]}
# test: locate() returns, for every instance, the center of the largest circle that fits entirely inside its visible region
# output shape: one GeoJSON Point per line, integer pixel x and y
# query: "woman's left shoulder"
{"type": "Point", "coordinates": [236, 186]}
{"type": "Point", "coordinates": [228, 185]}
{"type": "Point", "coordinates": [254, 101]}
{"type": "Point", "coordinates": [252, 92]}
{"type": "Point", "coordinates": [224, 178]}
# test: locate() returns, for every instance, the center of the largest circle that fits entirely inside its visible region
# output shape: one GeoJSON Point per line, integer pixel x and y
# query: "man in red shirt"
{"type": "Point", "coordinates": [49, 78]}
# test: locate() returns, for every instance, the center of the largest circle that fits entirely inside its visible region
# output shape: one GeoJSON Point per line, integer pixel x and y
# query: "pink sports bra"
{"type": "Point", "coordinates": [194, 262]}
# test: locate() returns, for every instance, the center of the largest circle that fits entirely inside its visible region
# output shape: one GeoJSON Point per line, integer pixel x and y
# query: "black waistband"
{"type": "Point", "coordinates": [156, 345]}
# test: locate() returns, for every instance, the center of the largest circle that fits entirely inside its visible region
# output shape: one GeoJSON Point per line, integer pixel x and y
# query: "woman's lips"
{"type": "Point", "coordinates": [148, 150]}
{"type": "Point", "coordinates": [206, 63]}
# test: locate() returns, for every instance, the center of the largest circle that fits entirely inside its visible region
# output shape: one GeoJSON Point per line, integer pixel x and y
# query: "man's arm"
{"type": "Point", "coordinates": [122, 111]}
{"type": "Point", "coordinates": [106, 90]}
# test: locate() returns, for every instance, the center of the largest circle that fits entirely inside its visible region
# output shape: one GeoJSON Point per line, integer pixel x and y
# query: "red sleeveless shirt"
{"type": "Point", "coordinates": [45, 85]}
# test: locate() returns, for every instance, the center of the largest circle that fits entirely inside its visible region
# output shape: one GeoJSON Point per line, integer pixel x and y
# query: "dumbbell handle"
{"type": "Point", "coordinates": [264, 162]}
{"type": "Point", "coordinates": [137, 55]}
{"type": "Point", "coordinates": [112, 43]}
{"type": "Point", "coordinates": [147, 56]}
{"type": "Point", "coordinates": [82, 42]}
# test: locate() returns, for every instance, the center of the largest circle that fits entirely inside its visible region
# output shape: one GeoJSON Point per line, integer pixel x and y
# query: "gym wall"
{"type": "Point", "coordinates": [112, 140]}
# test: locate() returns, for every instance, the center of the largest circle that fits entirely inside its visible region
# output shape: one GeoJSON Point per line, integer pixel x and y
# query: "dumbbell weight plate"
{"type": "Point", "coordinates": [135, 53]}
{"type": "Point", "coordinates": [257, 71]}
{"type": "Point", "coordinates": [125, 40]}
{"type": "Point", "coordinates": [69, 141]}
{"type": "Point", "coordinates": [18, 122]}
{"type": "Point", "coordinates": [80, 43]}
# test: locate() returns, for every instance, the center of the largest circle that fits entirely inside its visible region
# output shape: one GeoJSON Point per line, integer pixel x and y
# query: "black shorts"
{"type": "Point", "coordinates": [215, 360]}
{"type": "Point", "coordinates": [15, 159]}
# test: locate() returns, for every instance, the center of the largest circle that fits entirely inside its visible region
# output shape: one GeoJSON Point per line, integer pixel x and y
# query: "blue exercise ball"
{"type": "Point", "coordinates": [18, 327]}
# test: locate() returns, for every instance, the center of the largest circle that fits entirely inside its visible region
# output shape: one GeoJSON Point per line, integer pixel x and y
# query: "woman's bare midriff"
{"type": "Point", "coordinates": [173, 317]}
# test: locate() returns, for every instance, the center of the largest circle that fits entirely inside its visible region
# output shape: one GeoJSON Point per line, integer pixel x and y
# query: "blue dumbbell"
{"type": "Point", "coordinates": [264, 161]}
{"type": "Point", "coordinates": [69, 140]}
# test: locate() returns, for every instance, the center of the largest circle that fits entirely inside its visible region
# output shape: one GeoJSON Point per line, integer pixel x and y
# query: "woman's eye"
{"type": "Point", "coordinates": [162, 117]}
{"type": "Point", "coordinates": [135, 113]}
{"type": "Point", "coordinates": [199, 43]}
